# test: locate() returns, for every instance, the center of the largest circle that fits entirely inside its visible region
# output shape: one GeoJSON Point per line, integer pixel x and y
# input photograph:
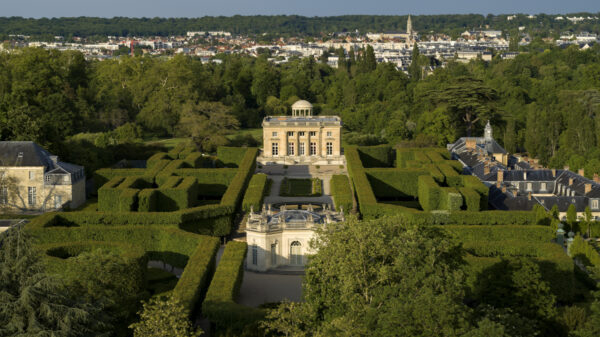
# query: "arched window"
{"type": "Point", "coordinates": [296, 253]}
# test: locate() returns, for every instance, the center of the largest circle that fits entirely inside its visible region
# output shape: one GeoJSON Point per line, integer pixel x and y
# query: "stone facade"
{"type": "Point", "coordinates": [302, 138]}
{"type": "Point", "coordinates": [33, 180]}
{"type": "Point", "coordinates": [280, 237]}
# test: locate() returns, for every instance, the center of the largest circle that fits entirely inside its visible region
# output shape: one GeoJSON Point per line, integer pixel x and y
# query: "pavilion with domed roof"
{"type": "Point", "coordinates": [302, 138]}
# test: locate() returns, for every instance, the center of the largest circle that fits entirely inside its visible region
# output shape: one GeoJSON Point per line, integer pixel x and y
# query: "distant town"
{"type": "Point", "coordinates": [394, 47]}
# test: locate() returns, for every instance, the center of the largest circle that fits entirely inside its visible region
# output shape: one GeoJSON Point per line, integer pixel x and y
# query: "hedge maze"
{"type": "Point", "coordinates": [424, 187]}
{"type": "Point", "coordinates": [421, 185]}
{"type": "Point", "coordinates": [172, 211]}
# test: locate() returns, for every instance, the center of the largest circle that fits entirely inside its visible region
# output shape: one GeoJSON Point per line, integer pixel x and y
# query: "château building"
{"type": "Point", "coordinates": [33, 180]}
{"type": "Point", "coordinates": [302, 138]}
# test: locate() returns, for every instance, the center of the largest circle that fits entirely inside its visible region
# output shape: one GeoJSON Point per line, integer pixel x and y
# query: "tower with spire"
{"type": "Point", "coordinates": [487, 133]}
{"type": "Point", "coordinates": [409, 30]}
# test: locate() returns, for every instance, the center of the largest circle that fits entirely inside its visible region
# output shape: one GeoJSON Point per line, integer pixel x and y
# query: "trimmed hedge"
{"type": "Point", "coordinates": [231, 156]}
{"type": "Point", "coordinates": [393, 182]}
{"type": "Point", "coordinates": [376, 156]}
{"type": "Point", "coordinates": [341, 192]}
{"type": "Point", "coordinates": [450, 199]}
{"type": "Point", "coordinates": [533, 233]}
{"type": "Point", "coordinates": [428, 192]}
{"type": "Point", "coordinates": [219, 305]}
{"type": "Point", "coordinates": [177, 194]}
{"type": "Point", "coordinates": [471, 199]}
{"type": "Point", "coordinates": [255, 193]}
{"type": "Point", "coordinates": [586, 254]}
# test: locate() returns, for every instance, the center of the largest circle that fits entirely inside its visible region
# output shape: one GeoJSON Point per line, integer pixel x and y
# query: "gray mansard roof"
{"type": "Point", "coordinates": [30, 154]}
{"type": "Point", "coordinates": [489, 145]}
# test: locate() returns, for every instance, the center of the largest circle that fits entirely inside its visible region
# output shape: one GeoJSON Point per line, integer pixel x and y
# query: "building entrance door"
{"type": "Point", "coordinates": [296, 254]}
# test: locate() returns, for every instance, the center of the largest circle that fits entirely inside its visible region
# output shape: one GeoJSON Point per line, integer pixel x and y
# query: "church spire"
{"type": "Point", "coordinates": [409, 30]}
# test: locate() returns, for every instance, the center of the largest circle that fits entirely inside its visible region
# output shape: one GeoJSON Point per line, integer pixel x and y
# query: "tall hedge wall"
{"type": "Point", "coordinates": [376, 156]}
{"type": "Point", "coordinates": [230, 156]}
{"type": "Point", "coordinates": [393, 182]}
{"type": "Point", "coordinates": [341, 192]}
{"type": "Point", "coordinates": [219, 305]}
{"type": "Point", "coordinates": [255, 193]}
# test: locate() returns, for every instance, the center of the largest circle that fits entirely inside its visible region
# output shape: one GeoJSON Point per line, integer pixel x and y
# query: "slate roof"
{"type": "Point", "coordinates": [23, 154]}
{"type": "Point", "coordinates": [505, 201]}
{"type": "Point", "coordinates": [525, 175]}
{"type": "Point", "coordinates": [579, 183]}
{"type": "Point", "coordinates": [30, 154]}
{"type": "Point", "coordinates": [564, 202]}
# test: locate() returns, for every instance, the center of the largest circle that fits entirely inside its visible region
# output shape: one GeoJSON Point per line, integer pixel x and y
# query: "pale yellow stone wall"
{"type": "Point", "coordinates": [72, 195]}
{"type": "Point", "coordinates": [320, 137]}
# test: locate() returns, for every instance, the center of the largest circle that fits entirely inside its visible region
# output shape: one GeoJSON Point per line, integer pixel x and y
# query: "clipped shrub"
{"type": "Point", "coordinates": [255, 192]}
{"type": "Point", "coordinates": [341, 192]}
{"type": "Point", "coordinates": [471, 199]}
{"type": "Point", "coordinates": [231, 156]}
{"type": "Point", "coordinates": [376, 156]}
{"type": "Point", "coordinates": [429, 193]}
{"type": "Point", "coordinates": [219, 304]}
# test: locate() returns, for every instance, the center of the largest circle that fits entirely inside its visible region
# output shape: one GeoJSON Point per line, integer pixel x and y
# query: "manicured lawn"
{"type": "Point", "coordinates": [168, 143]}
{"type": "Point", "coordinates": [301, 187]}
{"type": "Point", "coordinates": [255, 133]}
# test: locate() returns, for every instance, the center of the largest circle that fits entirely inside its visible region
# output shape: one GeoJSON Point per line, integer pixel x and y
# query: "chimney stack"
{"type": "Point", "coordinates": [596, 178]}
{"type": "Point", "coordinates": [503, 189]}
{"type": "Point", "coordinates": [500, 175]}
{"type": "Point", "coordinates": [571, 181]}
{"type": "Point", "coordinates": [524, 175]}
{"type": "Point", "coordinates": [529, 196]}
{"type": "Point", "coordinates": [553, 173]}
{"type": "Point", "coordinates": [498, 184]}
{"type": "Point", "coordinates": [588, 188]}
{"type": "Point", "coordinates": [486, 169]}
{"type": "Point", "coordinates": [581, 172]}
{"type": "Point", "coordinates": [514, 192]}
{"type": "Point", "coordinates": [566, 168]}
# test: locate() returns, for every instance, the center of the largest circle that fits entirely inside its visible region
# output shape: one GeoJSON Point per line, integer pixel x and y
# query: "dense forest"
{"type": "Point", "coordinates": [289, 25]}
{"type": "Point", "coordinates": [546, 103]}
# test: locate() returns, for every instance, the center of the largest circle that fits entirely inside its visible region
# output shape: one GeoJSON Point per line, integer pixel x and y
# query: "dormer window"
{"type": "Point", "coordinates": [595, 204]}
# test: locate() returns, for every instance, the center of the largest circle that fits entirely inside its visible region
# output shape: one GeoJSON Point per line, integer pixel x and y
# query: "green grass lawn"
{"type": "Point", "coordinates": [255, 133]}
{"type": "Point", "coordinates": [301, 187]}
{"type": "Point", "coordinates": [168, 143]}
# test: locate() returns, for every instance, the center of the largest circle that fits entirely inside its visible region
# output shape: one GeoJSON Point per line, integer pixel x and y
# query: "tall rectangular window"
{"type": "Point", "coordinates": [329, 133]}
{"type": "Point", "coordinates": [329, 149]}
{"type": "Point", "coordinates": [312, 133]}
{"type": "Point", "coordinates": [290, 133]}
{"type": "Point", "coordinates": [301, 133]}
{"type": "Point", "coordinates": [254, 255]}
{"type": "Point", "coordinates": [595, 204]}
{"type": "Point", "coordinates": [31, 196]}
{"type": "Point", "coordinates": [4, 195]}
{"type": "Point", "coordinates": [301, 149]}
{"type": "Point", "coordinates": [31, 175]}
{"type": "Point", "coordinates": [529, 186]}
{"type": "Point", "coordinates": [290, 149]}
{"type": "Point", "coordinates": [313, 149]}
{"type": "Point", "coordinates": [274, 133]}
{"type": "Point", "coordinates": [543, 187]}
{"type": "Point", "coordinates": [57, 201]}
{"type": "Point", "coordinates": [275, 149]}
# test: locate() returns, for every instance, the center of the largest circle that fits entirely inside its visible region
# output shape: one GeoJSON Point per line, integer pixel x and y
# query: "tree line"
{"type": "Point", "coordinates": [288, 25]}
{"type": "Point", "coordinates": [545, 102]}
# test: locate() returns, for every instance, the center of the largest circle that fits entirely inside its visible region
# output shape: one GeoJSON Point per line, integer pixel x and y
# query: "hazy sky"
{"type": "Point", "coordinates": [197, 8]}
